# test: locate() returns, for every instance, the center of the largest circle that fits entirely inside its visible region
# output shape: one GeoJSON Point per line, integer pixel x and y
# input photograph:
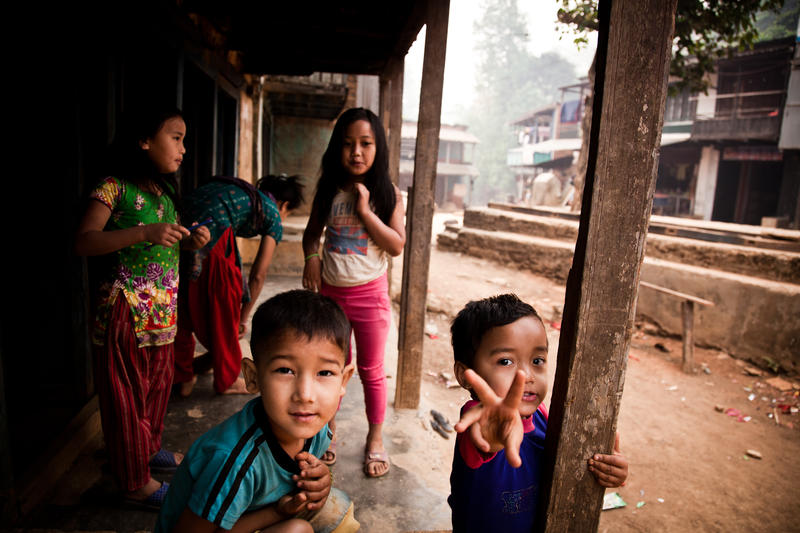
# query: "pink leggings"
{"type": "Point", "coordinates": [368, 309]}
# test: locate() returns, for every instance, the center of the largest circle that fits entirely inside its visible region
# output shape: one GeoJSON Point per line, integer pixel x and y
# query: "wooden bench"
{"type": "Point", "coordinates": [687, 311]}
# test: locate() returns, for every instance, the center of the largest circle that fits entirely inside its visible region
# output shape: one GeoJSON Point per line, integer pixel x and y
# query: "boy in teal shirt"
{"type": "Point", "coordinates": [260, 468]}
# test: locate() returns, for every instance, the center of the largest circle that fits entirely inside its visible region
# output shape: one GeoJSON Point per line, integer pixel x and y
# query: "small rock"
{"type": "Point", "coordinates": [431, 329]}
{"type": "Point", "coordinates": [195, 413]}
{"type": "Point", "coordinates": [755, 454]}
{"type": "Point", "coordinates": [673, 387]}
{"type": "Point", "coordinates": [750, 371]}
{"type": "Point", "coordinates": [452, 384]}
{"type": "Point", "coordinates": [424, 424]}
{"type": "Point", "coordinates": [447, 376]}
{"type": "Point", "coordinates": [719, 408]}
{"type": "Point", "coordinates": [780, 384]}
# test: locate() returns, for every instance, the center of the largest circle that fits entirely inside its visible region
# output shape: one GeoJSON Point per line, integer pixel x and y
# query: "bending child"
{"type": "Point", "coordinates": [500, 349]}
{"type": "Point", "coordinates": [260, 468]}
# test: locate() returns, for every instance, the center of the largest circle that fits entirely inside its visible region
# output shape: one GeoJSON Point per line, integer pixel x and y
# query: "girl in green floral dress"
{"type": "Point", "coordinates": [132, 219]}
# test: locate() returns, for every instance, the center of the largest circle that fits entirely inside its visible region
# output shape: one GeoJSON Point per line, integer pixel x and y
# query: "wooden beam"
{"type": "Point", "coordinates": [419, 219]}
{"type": "Point", "coordinates": [687, 312]}
{"type": "Point", "coordinates": [677, 294]}
{"type": "Point", "coordinates": [395, 74]}
{"type": "Point", "coordinates": [42, 477]}
{"type": "Point", "coordinates": [633, 55]}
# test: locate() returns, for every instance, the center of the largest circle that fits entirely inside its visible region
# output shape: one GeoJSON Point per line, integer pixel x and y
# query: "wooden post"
{"type": "Point", "coordinates": [633, 55]}
{"type": "Point", "coordinates": [419, 218]}
{"type": "Point", "coordinates": [687, 312]}
{"type": "Point", "coordinates": [395, 118]}
{"type": "Point", "coordinates": [392, 110]}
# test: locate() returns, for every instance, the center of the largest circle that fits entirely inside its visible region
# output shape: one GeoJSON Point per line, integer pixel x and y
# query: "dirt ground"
{"type": "Point", "coordinates": [689, 468]}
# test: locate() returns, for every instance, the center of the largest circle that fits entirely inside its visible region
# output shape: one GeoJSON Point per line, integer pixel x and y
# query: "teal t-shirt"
{"type": "Point", "coordinates": [235, 467]}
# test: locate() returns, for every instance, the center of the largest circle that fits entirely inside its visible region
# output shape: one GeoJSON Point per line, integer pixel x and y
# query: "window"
{"type": "Point", "coordinates": [456, 152]}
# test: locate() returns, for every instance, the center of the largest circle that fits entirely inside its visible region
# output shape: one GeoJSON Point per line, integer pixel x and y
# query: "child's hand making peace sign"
{"type": "Point", "coordinates": [495, 423]}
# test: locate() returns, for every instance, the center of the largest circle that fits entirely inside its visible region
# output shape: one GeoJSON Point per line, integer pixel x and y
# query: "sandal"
{"type": "Point", "coordinates": [375, 457]}
{"type": "Point", "coordinates": [152, 502]}
{"type": "Point", "coordinates": [163, 463]}
{"type": "Point", "coordinates": [331, 453]}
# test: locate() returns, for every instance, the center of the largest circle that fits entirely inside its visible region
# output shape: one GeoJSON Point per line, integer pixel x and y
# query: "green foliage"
{"type": "Point", "coordinates": [778, 24]}
{"type": "Point", "coordinates": [705, 30]}
{"type": "Point", "coordinates": [511, 82]}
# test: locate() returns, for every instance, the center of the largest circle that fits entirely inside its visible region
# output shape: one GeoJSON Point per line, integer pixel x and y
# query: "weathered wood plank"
{"type": "Point", "coordinates": [396, 117]}
{"type": "Point", "coordinates": [633, 55]}
{"type": "Point", "coordinates": [420, 216]}
{"type": "Point", "coordinates": [677, 294]}
{"type": "Point", "coordinates": [687, 311]}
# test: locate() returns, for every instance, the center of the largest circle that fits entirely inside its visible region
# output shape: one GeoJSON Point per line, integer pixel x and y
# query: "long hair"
{"type": "Point", "coordinates": [283, 189]}
{"type": "Point", "coordinates": [127, 159]}
{"type": "Point", "coordinates": [333, 176]}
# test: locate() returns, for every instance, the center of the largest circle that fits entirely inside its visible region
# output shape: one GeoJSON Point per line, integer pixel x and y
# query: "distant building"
{"type": "Point", "coordinates": [455, 171]}
{"type": "Point", "coordinates": [549, 138]}
{"type": "Point", "coordinates": [732, 155]}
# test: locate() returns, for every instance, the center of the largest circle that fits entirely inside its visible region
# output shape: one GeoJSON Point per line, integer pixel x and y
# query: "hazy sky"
{"type": "Point", "coordinates": [459, 74]}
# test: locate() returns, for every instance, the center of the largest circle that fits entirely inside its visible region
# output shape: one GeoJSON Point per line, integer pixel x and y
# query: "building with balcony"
{"type": "Point", "coordinates": [730, 155]}
{"type": "Point", "coordinates": [455, 170]}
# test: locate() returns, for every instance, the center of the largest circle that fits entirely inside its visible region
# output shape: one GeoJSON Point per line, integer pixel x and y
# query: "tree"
{"type": "Point", "coordinates": [704, 32]}
{"type": "Point", "coordinates": [510, 82]}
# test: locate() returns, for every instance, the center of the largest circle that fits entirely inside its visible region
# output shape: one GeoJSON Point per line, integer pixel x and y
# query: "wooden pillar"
{"type": "Point", "coordinates": [396, 118]}
{"type": "Point", "coordinates": [687, 312]}
{"type": "Point", "coordinates": [633, 55]}
{"type": "Point", "coordinates": [419, 217]}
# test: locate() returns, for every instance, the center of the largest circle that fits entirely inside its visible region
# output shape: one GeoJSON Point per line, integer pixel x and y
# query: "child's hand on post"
{"type": "Point", "coordinates": [314, 480]}
{"type": "Point", "coordinates": [610, 470]}
{"type": "Point", "coordinates": [496, 424]}
{"type": "Point", "coordinates": [164, 234]}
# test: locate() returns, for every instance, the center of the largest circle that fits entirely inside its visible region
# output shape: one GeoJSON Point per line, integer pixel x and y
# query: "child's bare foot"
{"type": "Point", "coordinates": [238, 387]}
{"type": "Point", "coordinates": [187, 386]}
{"type": "Point", "coordinates": [376, 460]}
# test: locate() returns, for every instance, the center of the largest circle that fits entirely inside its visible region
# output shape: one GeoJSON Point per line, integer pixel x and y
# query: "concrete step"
{"type": "Point", "coordinates": [775, 265]}
{"type": "Point", "coordinates": [753, 318]}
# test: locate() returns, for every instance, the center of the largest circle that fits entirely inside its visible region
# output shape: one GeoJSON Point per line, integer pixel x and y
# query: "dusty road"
{"type": "Point", "coordinates": [688, 465]}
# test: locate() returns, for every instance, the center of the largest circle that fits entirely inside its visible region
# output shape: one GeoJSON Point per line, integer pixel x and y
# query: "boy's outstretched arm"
{"type": "Point", "coordinates": [496, 423]}
{"type": "Point", "coordinates": [610, 470]}
{"type": "Point", "coordinates": [314, 480]}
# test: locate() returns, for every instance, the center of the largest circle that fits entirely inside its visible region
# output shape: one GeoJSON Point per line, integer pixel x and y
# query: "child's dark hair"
{"type": "Point", "coordinates": [127, 159]}
{"type": "Point", "coordinates": [283, 189]}
{"type": "Point", "coordinates": [304, 312]}
{"type": "Point", "coordinates": [479, 316]}
{"type": "Point", "coordinates": [377, 180]}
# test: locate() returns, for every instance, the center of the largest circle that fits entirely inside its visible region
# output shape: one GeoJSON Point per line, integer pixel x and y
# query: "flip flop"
{"type": "Point", "coordinates": [163, 462]}
{"type": "Point", "coordinates": [332, 451]}
{"type": "Point", "coordinates": [152, 502]}
{"type": "Point", "coordinates": [376, 457]}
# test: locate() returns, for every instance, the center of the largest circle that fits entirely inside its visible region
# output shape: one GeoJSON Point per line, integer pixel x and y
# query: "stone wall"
{"type": "Point", "coordinates": [756, 291]}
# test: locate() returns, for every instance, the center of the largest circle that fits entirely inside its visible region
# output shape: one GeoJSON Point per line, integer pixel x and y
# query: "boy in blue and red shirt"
{"type": "Point", "coordinates": [500, 349]}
